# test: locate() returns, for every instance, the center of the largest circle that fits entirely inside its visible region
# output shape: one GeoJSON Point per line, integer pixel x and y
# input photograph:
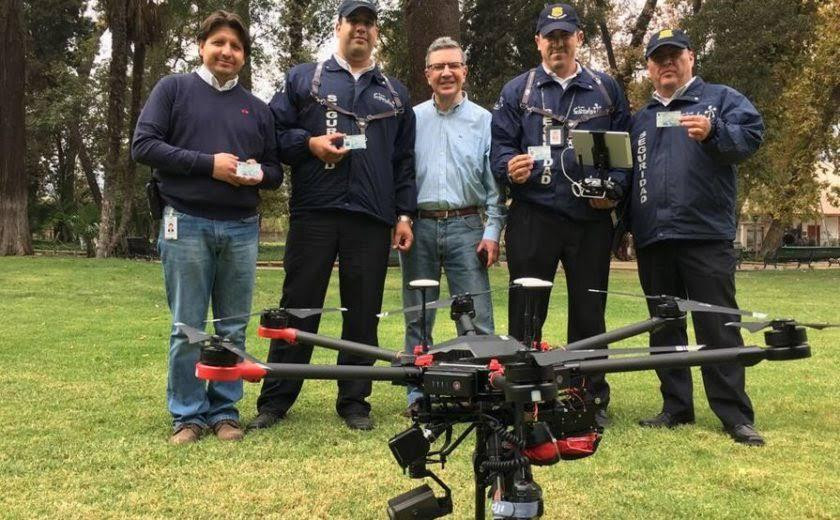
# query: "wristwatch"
{"type": "Point", "coordinates": [405, 218]}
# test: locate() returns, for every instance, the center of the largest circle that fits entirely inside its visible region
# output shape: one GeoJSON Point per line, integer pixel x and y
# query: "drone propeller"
{"type": "Point", "coordinates": [299, 313]}
{"type": "Point", "coordinates": [197, 336]}
{"type": "Point", "coordinates": [439, 304]}
{"type": "Point", "coordinates": [688, 305]}
{"type": "Point", "coordinates": [755, 326]}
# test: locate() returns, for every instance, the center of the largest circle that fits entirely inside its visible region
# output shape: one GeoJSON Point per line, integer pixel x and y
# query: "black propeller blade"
{"type": "Point", "coordinates": [689, 305]}
{"type": "Point", "coordinates": [755, 326]}
{"type": "Point", "coordinates": [197, 336]}
{"type": "Point", "coordinates": [438, 304]}
{"type": "Point", "coordinates": [299, 313]}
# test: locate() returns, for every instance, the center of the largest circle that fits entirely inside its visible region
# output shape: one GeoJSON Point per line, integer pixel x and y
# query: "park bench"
{"type": "Point", "coordinates": [140, 247]}
{"type": "Point", "coordinates": [803, 255]}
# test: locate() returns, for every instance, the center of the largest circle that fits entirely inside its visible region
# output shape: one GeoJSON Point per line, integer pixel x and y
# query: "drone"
{"type": "Point", "coordinates": [523, 400]}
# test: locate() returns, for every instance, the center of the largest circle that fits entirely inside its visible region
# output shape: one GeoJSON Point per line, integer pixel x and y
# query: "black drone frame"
{"type": "Point", "coordinates": [525, 405]}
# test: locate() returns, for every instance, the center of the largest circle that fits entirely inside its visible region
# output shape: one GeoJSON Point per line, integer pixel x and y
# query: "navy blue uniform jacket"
{"type": "Point", "coordinates": [514, 129]}
{"type": "Point", "coordinates": [684, 189]}
{"type": "Point", "coordinates": [379, 180]}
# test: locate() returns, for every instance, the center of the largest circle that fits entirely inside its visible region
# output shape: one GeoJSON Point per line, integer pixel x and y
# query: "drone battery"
{"type": "Point", "coordinates": [449, 382]}
{"type": "Point", "coordinates": [409, 447]}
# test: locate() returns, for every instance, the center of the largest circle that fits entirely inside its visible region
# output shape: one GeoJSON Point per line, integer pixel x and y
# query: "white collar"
{"type": "Point", "coordinates": [564, 82]}
{"type": "Point", "coordinates": [346, 66]}
{"type": "Point", "coordinates": [208, 77]}
{"type": "Point", "coordinates": [677, 93]}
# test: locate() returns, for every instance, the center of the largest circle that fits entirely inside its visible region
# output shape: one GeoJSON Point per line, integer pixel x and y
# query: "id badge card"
{"type": "Point", "coordinates": [540, 153]}
{"type": "Point", "coordinates": [170, 226]}
{"type": "Point", "coordinates": [249, 170]}
{"type": "Point", "coordinates": [556, 136]}
{"type": "Point", "coordinates": [355, 142]}
{"type": "Point", "coordinates": [668, 119]}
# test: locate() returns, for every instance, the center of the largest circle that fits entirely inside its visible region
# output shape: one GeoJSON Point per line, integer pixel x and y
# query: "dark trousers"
{"type": "Point", "coordinates": [705, 271]}
{"type": "Point", "coordinates": [361, 244]}
{"type": "Point", "coordinates": [536, 241]}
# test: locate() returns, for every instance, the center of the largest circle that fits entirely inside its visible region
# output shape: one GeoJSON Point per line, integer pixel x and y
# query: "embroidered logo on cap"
{"type": "Point", "coordinates": [557, 13]}
{"type": "Point", "coordinates": [666, 33]}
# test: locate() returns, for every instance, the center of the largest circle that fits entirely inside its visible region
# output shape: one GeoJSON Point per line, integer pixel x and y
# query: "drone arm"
{"type": "Point", "coordinates": [360, 349]}
{"type": "Point", "coordinates": [341, 372]}
{"type": "Point", "coordinates": [600, 340]}
{"type": "Point", "coordinates": [746, 356]}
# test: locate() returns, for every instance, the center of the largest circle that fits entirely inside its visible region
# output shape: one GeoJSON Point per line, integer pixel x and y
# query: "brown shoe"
{"type": "Point", "coordinates": [186, 434]}
{"type": "Point", "coordinates": [228, 430]}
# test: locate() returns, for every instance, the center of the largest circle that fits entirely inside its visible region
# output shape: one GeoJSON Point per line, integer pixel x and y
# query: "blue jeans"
{"type": "Point", "coordinates": [447, 244]}
{"type": "Point", "coordinates": [211, 260]}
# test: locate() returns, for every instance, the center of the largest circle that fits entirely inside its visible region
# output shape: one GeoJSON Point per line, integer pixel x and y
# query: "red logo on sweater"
{"type": "Point", "coordinates": [245, 112]}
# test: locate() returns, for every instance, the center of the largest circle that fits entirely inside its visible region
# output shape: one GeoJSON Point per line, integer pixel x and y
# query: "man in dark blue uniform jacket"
{"type": "Point", "coordinates": [347, 131]}
{"type": "Point", "coordinates": [547, 222]}
{"type": "Point", "coordinates": [687, 141]}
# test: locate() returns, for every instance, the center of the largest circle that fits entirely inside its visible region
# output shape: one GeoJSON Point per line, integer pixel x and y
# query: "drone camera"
{"type": "Point", "coordinates": [419, 503]}
{"type": "Point", "coordinates": [409, 447]}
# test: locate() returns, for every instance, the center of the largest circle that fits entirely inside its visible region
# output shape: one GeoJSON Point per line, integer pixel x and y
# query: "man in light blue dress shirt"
{"type": "Point", "coordinates": [455, 185]}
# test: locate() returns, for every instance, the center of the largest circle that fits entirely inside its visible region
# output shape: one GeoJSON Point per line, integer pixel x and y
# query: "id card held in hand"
{"type": "Point", "coordinates": [249, 170]}
{"type": "Point", "coordinates": [540, 153]}
{"type": "Point", "coordinates": [355, 142]}
{"type": "Point", "coordinates": [668, 119]}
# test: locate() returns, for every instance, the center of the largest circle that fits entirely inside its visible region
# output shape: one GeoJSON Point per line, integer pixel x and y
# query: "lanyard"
{"type": "Point", "coordinates": [361, 121]}
{"type": "Point", "coordinates": [565, 120]}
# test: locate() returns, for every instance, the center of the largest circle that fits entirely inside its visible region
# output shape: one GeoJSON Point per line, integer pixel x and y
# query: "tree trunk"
{"type": "Point", "coordinates": [297, 12]}
{"type": "Point", "coordinates": [773, 238]}
{"type": "Point", "coordinates": [606, 37]}
{"type": "Point", "coordinates": [66, 187]}
{"type": "Point", "coordinates": [427, 20]}
{"type": "Point", "coordinates": [15, 238]}
{"type": "Point", "coordinates": [637, 37]}
{"type": "Point", "coordinates": [129, 191]}
{"type": "Point", "coordinates": [117, 18]}
{"type": "Point", "coordinates": [243, 9]}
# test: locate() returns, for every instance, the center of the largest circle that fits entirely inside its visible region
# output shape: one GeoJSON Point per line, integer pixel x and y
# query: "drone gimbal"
{"type": "Point", "coordinates": [521, 401]}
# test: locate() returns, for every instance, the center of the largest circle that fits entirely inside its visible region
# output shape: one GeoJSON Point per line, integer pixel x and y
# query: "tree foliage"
{"type": "Point", "coordinates": [83, 98]}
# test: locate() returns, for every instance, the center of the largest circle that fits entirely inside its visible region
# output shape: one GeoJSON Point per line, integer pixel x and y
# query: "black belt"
{"type": "Point", "coordinates": [447, 213]}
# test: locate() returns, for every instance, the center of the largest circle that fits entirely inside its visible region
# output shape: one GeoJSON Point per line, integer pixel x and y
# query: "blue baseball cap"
{"type": "Point", "coordinates": [557, 16]}
{"type": "Point", "coordinates": [674, 37]}
{"type": "Point", "coordinates": [347, 7]}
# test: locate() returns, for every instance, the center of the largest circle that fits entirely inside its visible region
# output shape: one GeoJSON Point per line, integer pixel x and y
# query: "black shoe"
{"type": "Point", "coordinates": [264, 420]}
{"type": "Point", "coordinates": [601, 418]}
{"type": "Point", "coordinates": [666, 420]}
{"type": "Point", "coordinates": [746, 434]}
{"type": "Point", "coordinates": [358, 422]}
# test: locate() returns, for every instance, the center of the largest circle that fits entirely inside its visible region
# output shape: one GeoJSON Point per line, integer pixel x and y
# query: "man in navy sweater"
{"type": "Point", "coordinates": [197, 131]}
{"type": "Point", "coordinates": [347, 131]}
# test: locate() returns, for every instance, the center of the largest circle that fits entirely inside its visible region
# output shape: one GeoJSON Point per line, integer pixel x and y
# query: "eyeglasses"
{"type": "Point", "coordinates": [438, 67]}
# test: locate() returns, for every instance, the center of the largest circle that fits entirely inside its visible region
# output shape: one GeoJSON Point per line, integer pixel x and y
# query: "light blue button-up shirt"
{"type": "Point", "coordinates": [452, 158]}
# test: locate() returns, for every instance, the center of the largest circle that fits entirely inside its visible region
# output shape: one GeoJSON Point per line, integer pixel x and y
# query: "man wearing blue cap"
{"type": "Point", "coordinates": [687, 141]}
{"type": "Point", "coordinates": [548, 222]}
{"type": "Point", "coordinates": [347, 131]}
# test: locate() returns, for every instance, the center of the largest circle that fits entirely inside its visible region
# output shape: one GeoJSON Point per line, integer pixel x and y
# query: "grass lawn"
{"type": "Point", "coordinates": [83, 424]}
